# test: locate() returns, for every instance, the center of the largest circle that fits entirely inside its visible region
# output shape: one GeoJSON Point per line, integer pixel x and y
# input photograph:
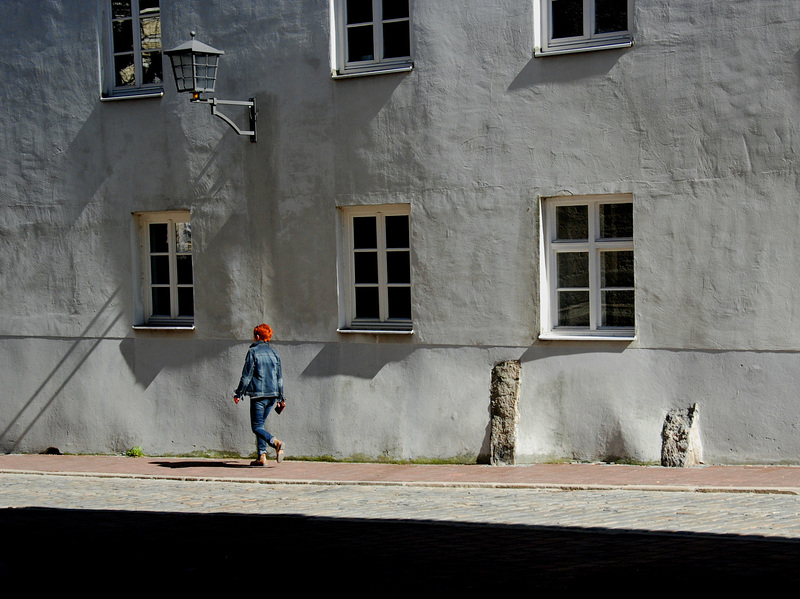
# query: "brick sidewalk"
{"type": "Point", "coordinates": [772, 479]}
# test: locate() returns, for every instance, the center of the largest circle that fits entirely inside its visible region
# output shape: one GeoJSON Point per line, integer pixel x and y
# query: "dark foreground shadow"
{"type": "Point", "coordinates": [87, 549]}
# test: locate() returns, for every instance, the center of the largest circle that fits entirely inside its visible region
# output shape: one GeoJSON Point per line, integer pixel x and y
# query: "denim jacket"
{"type": "Point", "coordinates": [261, 375]}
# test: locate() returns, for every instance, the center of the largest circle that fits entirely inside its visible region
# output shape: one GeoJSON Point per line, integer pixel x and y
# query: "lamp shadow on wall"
{"type": "Point", "coordinates": [61, 374]}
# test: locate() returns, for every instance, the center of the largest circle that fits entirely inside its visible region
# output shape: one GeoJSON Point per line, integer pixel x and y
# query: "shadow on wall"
{"type": "Point", "coordinates": [565, 68]}
{"type": "Point", "coordinates": [797, 72]}
{"type": "Point", "coordinates": [61, 374]}
{"type": "Point", "coordinates": [232, 199]}
{"type": "Point", "coordinates": [550, 349]}
{"type": "Point", "coordinates": [358, 103]}
{"type": "Point", "coordinates": [358, 360]}
{"type": "Point", "coordinates": [151, 352]}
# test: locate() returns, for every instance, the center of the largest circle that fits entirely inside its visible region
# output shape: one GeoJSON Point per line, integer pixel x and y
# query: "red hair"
{"type": "Point", "coordinates": [263, 332]}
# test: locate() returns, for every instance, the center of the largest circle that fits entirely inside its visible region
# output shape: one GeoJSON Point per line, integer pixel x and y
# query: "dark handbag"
{"type": "Point", "coordinates": [280, 406]}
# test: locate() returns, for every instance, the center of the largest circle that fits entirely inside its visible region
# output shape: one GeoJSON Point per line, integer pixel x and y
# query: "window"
{"type": "Point", "coordinates": [375, 268]}
{"type": "Point", "coordinates": [168, 282]}
{"type": "Point", "coordinates": [132, 54]}
{"type": "Point", "coordinates": [371, 36]}
{"type": "Point", "coordinates": [565, 26]}
{"type": "Point", "coordinates": [588, 283]}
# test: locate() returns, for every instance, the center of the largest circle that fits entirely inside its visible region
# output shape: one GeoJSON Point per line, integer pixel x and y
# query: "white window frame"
{"type": "Point", "coordinates": [348, 323]}
{"type": "Point", "coordinates": [342, 68]}
{"type": "Point", "coordinates": [550, 247]}
{"type": "Point", "coordinates": [545, 45]}
{"type": "Point", "coordinates": [139, 90]}
{"type": "Point", "coordinates": [147, 319]}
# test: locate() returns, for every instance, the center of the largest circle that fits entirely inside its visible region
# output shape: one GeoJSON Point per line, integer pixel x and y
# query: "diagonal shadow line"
{"type": "Point", "coordinates": [56, 369]}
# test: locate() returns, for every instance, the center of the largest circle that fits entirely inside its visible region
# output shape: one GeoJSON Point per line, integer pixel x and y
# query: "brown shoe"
{"type": "Point", "coordinates": [261, 461]}
{"type": "Point", "coordinates": [279, 445]}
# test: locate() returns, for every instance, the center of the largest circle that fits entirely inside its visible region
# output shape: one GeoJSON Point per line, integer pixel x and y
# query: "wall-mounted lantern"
{"type": "Point", "coordinates": [194, 65]}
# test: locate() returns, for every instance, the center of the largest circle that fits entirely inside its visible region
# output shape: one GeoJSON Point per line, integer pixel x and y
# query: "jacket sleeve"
{"type": "Point", "coordinates": [279, 375]}
{"type": "Point", "coordinates": [247, 374]}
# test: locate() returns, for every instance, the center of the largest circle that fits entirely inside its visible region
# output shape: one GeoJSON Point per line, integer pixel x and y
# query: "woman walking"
{"type": "Point", "coordinates": [262, 380]}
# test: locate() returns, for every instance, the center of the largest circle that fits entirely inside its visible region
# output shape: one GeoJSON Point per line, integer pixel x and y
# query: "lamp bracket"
{"type": "Point", "coordinates": [251, 104]}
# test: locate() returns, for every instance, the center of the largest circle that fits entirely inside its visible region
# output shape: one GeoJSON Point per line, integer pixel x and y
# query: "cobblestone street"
{"type": "Point", "coordinates": [772, 515]}
{"type": "Point", "coordinates": [468, 538]}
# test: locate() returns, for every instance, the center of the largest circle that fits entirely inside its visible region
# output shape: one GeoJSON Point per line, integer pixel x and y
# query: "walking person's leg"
{"type": "Point", "coordinates": [259, 410]}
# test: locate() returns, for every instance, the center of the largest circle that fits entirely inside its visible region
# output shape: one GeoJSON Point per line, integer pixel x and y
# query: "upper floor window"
{"type": "Point", "coordinates": [371, 36]}
{"type": "Point", "coordinates": [565, 26]}
{"type": "Point", "coordinates": [132, 52]}
{"type": "Point", "coordinates": [587, 270]}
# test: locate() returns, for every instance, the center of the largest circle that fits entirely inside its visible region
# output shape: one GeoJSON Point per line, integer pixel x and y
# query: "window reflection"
{"type": "Point", "coordinates": [136, 43]}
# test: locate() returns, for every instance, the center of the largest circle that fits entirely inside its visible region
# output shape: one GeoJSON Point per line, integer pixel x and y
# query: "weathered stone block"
{"type": "Point", "coordinates": [505, 414]}
{"type": "Point", "coordinates": [680, 439]}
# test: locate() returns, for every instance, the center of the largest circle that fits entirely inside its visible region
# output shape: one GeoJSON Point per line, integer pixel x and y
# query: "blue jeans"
{"type": "Point", "coordinates": [260, 407]}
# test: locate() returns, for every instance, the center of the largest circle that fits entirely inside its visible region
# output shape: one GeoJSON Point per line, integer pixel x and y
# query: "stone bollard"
{"type": "Point", "coordinates": [505, 415]}
{"type": "Point", "coordinates": [680, 439]}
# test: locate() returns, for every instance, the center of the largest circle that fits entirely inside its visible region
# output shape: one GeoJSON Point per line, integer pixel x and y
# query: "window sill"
{"type": "Point", "coordinates": [551, 336]}
{"type": "Point", "coordinates": [134, 96]}
{"type": "Point", "coordinates": [165, 327]}
{"type": "Point", "coordinates": [539, 53]}
{"type": "Point", "coordinates": [371, 72]}
{"type": "Point", "coordinates": [377, 331]}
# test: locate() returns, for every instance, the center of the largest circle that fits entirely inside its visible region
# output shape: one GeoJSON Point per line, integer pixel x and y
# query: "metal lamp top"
{"type": "Point", "coordinates": [194, 47]}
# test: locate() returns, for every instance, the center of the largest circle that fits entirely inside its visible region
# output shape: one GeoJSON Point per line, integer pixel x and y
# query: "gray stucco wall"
{"type": "Point", "coordinates": [698, 121]}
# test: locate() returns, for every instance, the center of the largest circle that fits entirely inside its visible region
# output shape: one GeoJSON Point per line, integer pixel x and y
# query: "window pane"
{"type": "Point", "coordinates": [123, 36]}
{"type": "Point", "coordinates": [161, 301]}
{"type": "Point", "coordinates": [573, 269]}
{"type": "Point", "coordinates": [395, 9]}
{"type": "Point", "coordinates": [359, 43]}
{"type": "Point", "coordinates": [183, 238]}
{"type": "Point", "coordinates": [159, 242]}
{"type": "Point", "coordinates": [400, 302]}
{"type": "Point", "coordinates": [364, 232]}
{"type": "Point", "coordinates": [610, 16]}
{"type": "Point", "coordinates": [359, 11]}
{"type": "Point", "coordinates": [120, 8]}
{"type": "Point", "coordinates": [367, 302]}
{"type": "Point", "coordinates": [398, 267]}
{"type": "Point", "coordinates": [618, 308]}
{"type": "Point", "coordinates": [572, 222]}
{"type": "Point", "coordinates": [573, 308]}
{"type": "Point", "coordinates": [366, 267]}
{"type": "Point", "coordinates": [184, 268]}
{"type": "Point", "coordinates": [148, 6]}
{"type": "Point", "coordinates": [616, 269]}
{"type": "Point", "coordinates": [616, 220]}
{"type": "Point", "coordinates": [124, 71]}
{"type": "Point", "coordinates": [159, 270]}
{"type": "Point", "coordinates": [151, 33]}
{"type": "Point", "coordinates": [567, 18]}
{"type": "Point", "coordinates": [396, 42]}
{"type": "Point", "coordinates": [152, 68]}
{"type": "Point", "coordinates": [397, 231]}
{"type": "Point", "coordinates": [185, 301]}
